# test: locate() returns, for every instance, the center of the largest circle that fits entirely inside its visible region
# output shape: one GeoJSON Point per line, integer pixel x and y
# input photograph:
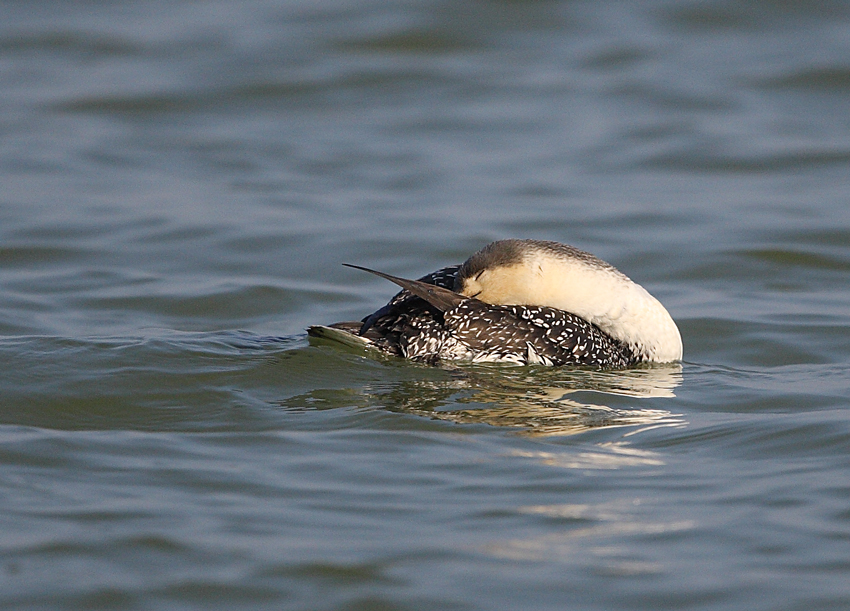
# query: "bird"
{"type": "Point", "coordinates": [520, 301]}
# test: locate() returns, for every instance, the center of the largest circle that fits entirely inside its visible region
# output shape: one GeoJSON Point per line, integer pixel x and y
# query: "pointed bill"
{"type": "Point", "coordinates": [440, 298]}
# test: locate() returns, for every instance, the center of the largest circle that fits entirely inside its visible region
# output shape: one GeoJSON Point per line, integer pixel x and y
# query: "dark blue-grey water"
{"type": "Point", "coordinates": [179, 184]}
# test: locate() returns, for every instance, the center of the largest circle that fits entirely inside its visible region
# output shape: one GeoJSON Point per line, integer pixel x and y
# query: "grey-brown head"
{"type": "Point", "coordinates": [515, 260]}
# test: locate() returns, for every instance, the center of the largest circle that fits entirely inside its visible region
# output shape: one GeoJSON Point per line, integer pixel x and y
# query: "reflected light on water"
{"type": "Point", "coordinates": [572, 546]}
{"type": "Point", "coordinates": [610, 456]}
{"type": "Point", "coordinates": [594, 535]}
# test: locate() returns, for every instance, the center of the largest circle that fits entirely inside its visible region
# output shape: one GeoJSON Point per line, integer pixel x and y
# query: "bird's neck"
{"type": "Point", "coordinates": [601, 295]}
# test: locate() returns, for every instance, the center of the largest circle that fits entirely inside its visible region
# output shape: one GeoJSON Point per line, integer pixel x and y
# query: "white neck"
{"type": "Point", "coordinates": [601, 295]}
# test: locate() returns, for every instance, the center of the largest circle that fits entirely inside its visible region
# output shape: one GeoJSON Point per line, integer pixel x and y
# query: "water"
{"type": "Point", "coordinates": [180, 183]}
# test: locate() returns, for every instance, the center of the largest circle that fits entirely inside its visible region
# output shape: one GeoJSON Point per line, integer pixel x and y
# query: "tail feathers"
{"type": "Point", "coordinates": [342, 332]}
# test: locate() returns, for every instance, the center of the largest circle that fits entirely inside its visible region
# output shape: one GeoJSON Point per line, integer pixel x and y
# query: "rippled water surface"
{"type": "Point", "coordinates": [180, 184]}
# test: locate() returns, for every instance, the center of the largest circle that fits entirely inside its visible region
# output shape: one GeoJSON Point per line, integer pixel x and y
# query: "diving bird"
{"type": "Point", "coordinates": [519, 301]}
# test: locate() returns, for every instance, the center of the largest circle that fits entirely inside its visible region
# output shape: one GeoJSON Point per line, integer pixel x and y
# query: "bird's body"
{"type": "Point", "coordinates": [524, 302]}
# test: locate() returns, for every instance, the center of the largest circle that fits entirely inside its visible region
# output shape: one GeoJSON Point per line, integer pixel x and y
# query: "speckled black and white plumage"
{"type": "Point", "coordinates": [524, 335]}
{"type": "Point", "coordinates": [469, 329]}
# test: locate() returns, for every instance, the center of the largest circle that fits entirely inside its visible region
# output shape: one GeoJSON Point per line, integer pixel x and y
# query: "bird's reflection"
{"type": "Point", "coordinates": [533, 400]}
{"type": "Point", "coordinates": [538, 401]}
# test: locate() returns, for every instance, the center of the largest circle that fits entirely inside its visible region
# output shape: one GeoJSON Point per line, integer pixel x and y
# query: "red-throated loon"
{"type": "Point", "coordinates": [524, 302]}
